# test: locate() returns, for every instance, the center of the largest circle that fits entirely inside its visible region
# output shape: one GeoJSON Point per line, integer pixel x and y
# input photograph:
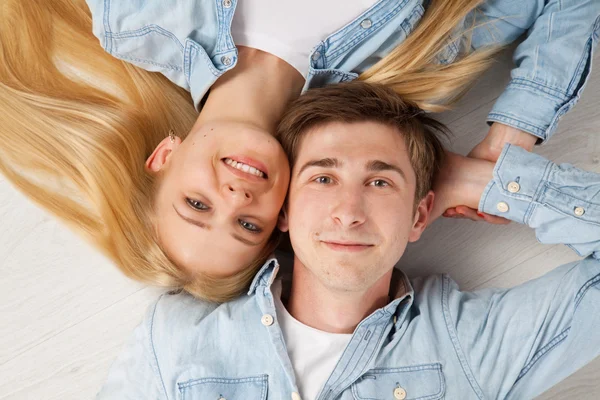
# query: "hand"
{"type": "Point", "coordinates": [489, 149]}
{"type": "Point", "coordinates": [460, 183]}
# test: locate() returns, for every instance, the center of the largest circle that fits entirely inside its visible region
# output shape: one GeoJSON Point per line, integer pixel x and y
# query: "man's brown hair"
{"type": "Point", "coordinates": [357, 102]}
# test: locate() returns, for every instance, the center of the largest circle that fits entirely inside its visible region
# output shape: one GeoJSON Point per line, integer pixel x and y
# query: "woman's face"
{"type": "Point", "coordinates": [219, 197]}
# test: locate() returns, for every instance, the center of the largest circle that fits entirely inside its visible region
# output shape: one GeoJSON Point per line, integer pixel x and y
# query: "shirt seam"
{"type": "Point", "coordinates": [154, 349]}
{"type": "Point", "coordinates": [454, 339]}
{"type": "Point", "coordinates": [107, 30]}
{"type": "Point", "coordinates": [558, 339]}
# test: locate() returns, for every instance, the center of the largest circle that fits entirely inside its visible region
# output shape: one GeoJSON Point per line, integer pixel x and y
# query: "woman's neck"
{"type": "Point", "coordinates": [255, 92]}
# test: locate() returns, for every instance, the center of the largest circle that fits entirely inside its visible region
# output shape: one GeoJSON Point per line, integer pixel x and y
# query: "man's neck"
{"type": "Point", "coordinates": [255, 92]}
{"type": "Point", "coordinates": [329, 309]}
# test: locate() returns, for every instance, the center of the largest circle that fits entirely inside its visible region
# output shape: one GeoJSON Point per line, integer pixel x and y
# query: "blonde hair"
{"type": "Point", "coordinates": [77, 124]}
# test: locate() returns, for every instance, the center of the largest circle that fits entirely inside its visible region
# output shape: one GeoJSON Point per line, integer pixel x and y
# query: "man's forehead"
{"type": "Point", "coordinates": [347, 143]}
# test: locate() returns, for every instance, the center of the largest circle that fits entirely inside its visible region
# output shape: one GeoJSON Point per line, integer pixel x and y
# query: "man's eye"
{"type": "Point", "coordinates": [249, 226]}
{"type": "Point", "coordinates": [379, 183]}
{"type": "Point", "coordinates": [323, 180]}
{"type": "Point", "coordinates": [197, 205]}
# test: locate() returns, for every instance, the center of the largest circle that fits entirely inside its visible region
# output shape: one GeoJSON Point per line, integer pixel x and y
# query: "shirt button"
{"type": "Point", "coordinates": [579, 211]}
{"type": "Point", "coordinates": [295, 396]}
{"type": "Point", "coordinates": [316, 55]}
{"type": "Point", "coordinates": [226, 60]}
{"type": "Point", "coordinates": [502, 207]}
{"type": "Point", "coordinates": [222, 398]}
{"type": "Point", "coordinates": [399, 393]}
{"type": "Point", "coordinates": [366, 23]}
{"type": "Point", "coordinates": [514, 187]}
{"type": "Point", "coordinates": [227, 3]}
{"type": "Point", "coordinates": [267, 320]}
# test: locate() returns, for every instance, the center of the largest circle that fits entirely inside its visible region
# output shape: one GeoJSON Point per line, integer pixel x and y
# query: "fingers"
{"type": "Point", "coordinates": [474, 215]}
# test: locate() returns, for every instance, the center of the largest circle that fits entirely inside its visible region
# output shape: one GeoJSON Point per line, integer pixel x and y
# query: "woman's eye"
{"type": "Point", "coordinates": [197, 205]}
{"type": "Point", "coordinates": [324, 180]}
{"type": "Point", "coordinates": [379, 183]}
{"type": "Point", "coordinates": [249, 226]}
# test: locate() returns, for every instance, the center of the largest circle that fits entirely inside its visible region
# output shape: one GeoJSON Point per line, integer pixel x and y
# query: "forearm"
{"type": "Point", "coordinates": [552, 64]}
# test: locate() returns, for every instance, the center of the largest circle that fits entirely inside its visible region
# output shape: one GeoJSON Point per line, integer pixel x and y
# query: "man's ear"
{"type": "Point", "coordinates": [282, 222]}
{"type": "Point", "coordinates": [161, 154]}
{"type": "Point", "coordinates": [421, 216]}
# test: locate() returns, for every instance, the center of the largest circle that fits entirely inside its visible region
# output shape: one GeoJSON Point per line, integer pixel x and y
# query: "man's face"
{"type": "Point", "coordinates": [350, 205]}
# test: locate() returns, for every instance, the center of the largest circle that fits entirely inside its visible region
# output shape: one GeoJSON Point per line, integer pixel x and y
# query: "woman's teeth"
{"type": "Point", "coordinates": [243, 167]}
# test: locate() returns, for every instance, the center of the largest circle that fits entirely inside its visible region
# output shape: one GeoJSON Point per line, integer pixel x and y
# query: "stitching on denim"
{"type": "Point", "coordinates": [154, 349]}
{"type": "Point", "coordinates": [527, 84]}
{"type": "Point", "coordinates": [436, 367]}
{"type": "Point", "coordinates": [454, 339]}
{"type": "Point", "coordinates": [591, 282]}
{"type": "Point", "coordinates": [146, 30]}
{"type": "Point", "coordinates": [345, 382]}
{"type": "Point", "coordinates": [583, 61]}
{"type": "Point", "coordinates": [544, 350]}
{"type": "Point", "coordinates": [409, 23]}
{"type": "Point", "coordinates": [584, 218]}
{"type": "Point", "coordinates": [228, 381]}
{"type": "Point", "coordinates": [206, 58]}
{"type": "Point", "coordinates": [341, 33]}
{"type": "Point", "coordinates": [391, 14]}
{"type": "Point", "coordinates": [519, 123]}
{"type": "Point", "coordinates": [165, 66]}
{"type": "Point", "coordinates": [107, 31]}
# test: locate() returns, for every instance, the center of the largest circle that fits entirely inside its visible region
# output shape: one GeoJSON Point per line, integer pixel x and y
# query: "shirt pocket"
{"type": "Point", "coordinates": [417, 382]}
{"type": "Point", "coordinates": [254, 387]}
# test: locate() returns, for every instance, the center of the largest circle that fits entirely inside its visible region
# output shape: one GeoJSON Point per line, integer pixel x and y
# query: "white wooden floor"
{"type": "Point", "coordinates": [65, 311]}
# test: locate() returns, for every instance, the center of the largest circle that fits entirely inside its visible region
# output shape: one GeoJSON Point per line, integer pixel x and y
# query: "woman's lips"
{"type": "Point", "coordinates": [350, 247]}
{"type": "Point", "coordinates": [244, 175]}
{"type": "Point", "coordinates": [251, 162]}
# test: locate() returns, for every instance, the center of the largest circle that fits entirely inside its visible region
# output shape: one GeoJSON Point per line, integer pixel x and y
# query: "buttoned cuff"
{"type": "Point", "coordinates": [530, 107]}
{"type": "Point", "coordinates": [517, 179]}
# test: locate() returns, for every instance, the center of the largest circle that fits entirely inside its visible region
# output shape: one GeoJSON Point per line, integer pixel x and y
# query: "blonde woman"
{"type": "Point", "coordinates": [97, 126]}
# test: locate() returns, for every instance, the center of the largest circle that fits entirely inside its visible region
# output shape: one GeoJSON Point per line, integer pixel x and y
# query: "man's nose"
{"type": "Point", "coordinates": [349, 210]}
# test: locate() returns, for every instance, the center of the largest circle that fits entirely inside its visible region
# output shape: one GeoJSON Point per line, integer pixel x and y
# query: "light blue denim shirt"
{"type": "Point", "coordinates": [190, 42]}
{"type": "Point", "coordinates": [433, 341]}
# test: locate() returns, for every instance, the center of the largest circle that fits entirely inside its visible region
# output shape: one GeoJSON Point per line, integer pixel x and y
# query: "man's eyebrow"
{"type": "Point", "coordinates": [379, 166]}
{"type": "Point", "coordinates": [323, 163]}
{"type": "Point", "coordinates": [192, 221]}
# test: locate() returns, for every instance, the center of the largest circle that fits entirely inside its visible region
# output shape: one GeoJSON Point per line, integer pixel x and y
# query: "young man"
{"type": "Point", "coordinates": [352, 327]}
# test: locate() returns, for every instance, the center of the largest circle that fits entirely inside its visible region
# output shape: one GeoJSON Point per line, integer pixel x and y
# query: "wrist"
{"type": "Point", "coordinates": [474, 176]}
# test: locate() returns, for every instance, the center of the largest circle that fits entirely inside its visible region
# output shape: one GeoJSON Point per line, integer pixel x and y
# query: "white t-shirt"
{"type": "Point", "coordinates": [313, 353]}
{"type": "Point", "coordinates": [289, 29]}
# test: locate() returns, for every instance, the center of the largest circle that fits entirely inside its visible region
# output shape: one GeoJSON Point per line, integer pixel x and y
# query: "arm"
{"type": "Point", "coordinates": [552, 64]}
{"type": "Point", "coordinates": [517, 343]}
{"type": "Point", "coordinates": [135, 373]}
{"type": "Point", "coordinates": [561, 202]}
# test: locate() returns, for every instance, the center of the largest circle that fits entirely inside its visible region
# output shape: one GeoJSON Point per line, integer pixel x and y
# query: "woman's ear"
{"type": "Point", "coordinates": [161, 153]}
{"type": "Point", "coordinates": [282, 222]}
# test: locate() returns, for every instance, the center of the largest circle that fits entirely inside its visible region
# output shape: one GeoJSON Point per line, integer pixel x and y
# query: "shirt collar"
{"type": "Point", "coordinates": [265, 276]}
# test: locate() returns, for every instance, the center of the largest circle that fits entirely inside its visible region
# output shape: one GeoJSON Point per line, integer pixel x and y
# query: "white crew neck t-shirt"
{"type": "Point", "coordinates": [291, 29]}
{"type": "Point", "coordinates": [313, 353]}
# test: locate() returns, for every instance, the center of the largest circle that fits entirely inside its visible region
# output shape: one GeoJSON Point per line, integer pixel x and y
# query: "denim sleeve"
{"type": "Point", "coordinates": [560, 202]}
{"type": "Point", "coordinates": [552, 64]}
{"type": "Point", "coordinates": [135, 373]}
{"type": "Point", "coordinates": [517, 343]}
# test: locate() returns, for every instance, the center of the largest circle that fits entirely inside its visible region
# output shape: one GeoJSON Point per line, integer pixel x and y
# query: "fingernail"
{"type": "Point", "coordinates": [480, 214]}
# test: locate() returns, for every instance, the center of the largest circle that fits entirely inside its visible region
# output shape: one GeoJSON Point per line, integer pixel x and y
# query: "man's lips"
{"type": "Point", "coordinates": [350, 247]}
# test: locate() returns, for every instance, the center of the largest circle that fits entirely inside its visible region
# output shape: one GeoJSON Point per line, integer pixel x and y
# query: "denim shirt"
{"type": "Point", "coordinates": [432, 341]}
{"type": "Point", "coordinates": [190, 42]}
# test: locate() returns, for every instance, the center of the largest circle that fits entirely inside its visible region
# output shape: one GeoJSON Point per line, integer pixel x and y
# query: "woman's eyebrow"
{"type": "Point", "coordinates": [192, 221]}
